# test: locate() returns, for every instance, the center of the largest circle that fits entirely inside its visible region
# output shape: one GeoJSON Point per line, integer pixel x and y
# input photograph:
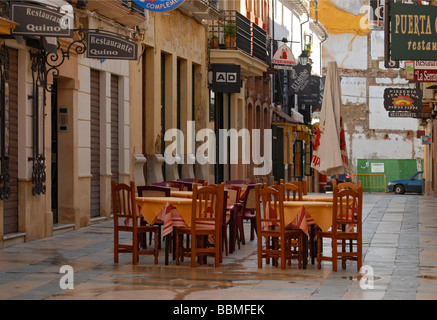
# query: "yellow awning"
{"type": "Point", "coordinates": [6, 26]}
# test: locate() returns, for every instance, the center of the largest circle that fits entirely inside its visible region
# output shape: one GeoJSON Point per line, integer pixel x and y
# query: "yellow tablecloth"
{"type": "Point", "coordinates": [151, 207]}
{"type": "Point", "coordinates": [181, 194]}
{"type": "Point", "coordinates": [319, 211]}
{"type": "Point", "coordinates": [317, 197]}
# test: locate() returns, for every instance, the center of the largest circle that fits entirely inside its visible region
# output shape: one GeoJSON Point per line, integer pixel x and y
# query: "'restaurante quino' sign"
{"type": "Point", "coordinates": [413, 32]}
{"type": "Point", "coordinates": [159, 5]}
{"type": "Point", "coordinates": [103, 45]}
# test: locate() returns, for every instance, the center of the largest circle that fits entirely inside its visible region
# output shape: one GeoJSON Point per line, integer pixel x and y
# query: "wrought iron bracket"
{"type": "Point", "coordinates": [54, 60]}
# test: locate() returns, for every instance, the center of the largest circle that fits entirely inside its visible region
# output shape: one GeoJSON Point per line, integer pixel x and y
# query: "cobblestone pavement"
{"type": "Point", "coordinates": [399, 246]}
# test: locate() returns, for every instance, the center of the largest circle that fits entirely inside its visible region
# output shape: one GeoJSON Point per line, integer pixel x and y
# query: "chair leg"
{"type": "Point", "coordinates": [134, 248]}
{"type": "Point", "coordinates": [115, 246]}
{"type": "Point", "coordinates": [319, 252]}
{"type": "Point", "coordinates": [193, 251]}
{"type": "Point", "coordinates": [241, 230]}
{"type": "Point", "coordinates": [252, 229]}
{"type": "Point", "coordinates": [334, 255]}
{"type": "Point", "coordinates": [156, 245]}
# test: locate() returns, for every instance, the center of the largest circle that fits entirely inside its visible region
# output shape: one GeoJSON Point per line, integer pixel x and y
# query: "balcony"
{"type": "Point", "coordinates": [201, 9]}
{"type": "Point", "coordinates": [300, 7]}
{"type": "Point", "coordinates": [236, 39]}
{"type": "Point", "coordinates": [125, 12]}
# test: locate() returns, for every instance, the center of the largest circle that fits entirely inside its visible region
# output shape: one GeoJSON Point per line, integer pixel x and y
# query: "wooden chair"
{"type": "Point", "coordinates": [271, 227]}
{"type": "Point", "coordinates": [237, 182]}
{"type": "Point", "coordinates": [232, 207]}
{"type": "Point", "coordinates": [346, 226]}
{"type": "Point", "coordinates": [154, 191]}
{"type": "Point", "coordinates": [247, 212]}
{"type": "Point", "coordinates": [198, 181]}
{"type": "Point", "coordinates": [125, 214]}
{"type": "Point", "coordinates": [170, 184]}
{"type": "Point", "coordinates": [293, 190]}
{"type": "Point", "coordinates": [188, 183]}
{"type": "Point", "coordinates": [207, 209]}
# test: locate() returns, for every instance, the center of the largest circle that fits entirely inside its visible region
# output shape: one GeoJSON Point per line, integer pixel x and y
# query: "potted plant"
{"type": "Point", "coordinates": [230, 31]}
{"type": "Point", "coordinates": [214, 41]}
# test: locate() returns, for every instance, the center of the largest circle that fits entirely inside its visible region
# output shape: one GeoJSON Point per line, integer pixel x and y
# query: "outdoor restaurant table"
{"type": "Point", "coordinates": [174, 211]}
{"type": "Point", "coordinates": [162, 208]}
{"type": "Point", "coordinates": [317, 197]}
{"type": "Point", "coordinates": [181, 194]}
{"type": "Point", "coordinates": [305, 214]}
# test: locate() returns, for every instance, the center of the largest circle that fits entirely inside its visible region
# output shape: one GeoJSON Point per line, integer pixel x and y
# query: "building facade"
{"type": "Point", "coordinates": [65, 116]}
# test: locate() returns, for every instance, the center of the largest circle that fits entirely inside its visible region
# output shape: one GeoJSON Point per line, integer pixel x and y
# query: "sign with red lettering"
{"type": "Point", "coordinates": [425, 71]}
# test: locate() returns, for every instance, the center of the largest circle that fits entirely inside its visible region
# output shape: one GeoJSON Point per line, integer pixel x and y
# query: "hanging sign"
{"type": "Point", "coordinates": [313, 94]}
{"type": "Point", "coordinates": [402, 99]}
{"type": "Point", "coordinates": [38, 20]}
{"type": "Point", "coordinates": [159, 5]}
{"type": "Point", "coordinates": [283, 58]}
{"type": "Point", "coordinates": [413, 32]}
{"type": "Point", "coordinates": [425, 71]}
{"type": "Point", "coordinates": [300, 79]}
{"type": "Point", "coordinates": [226, 78]}
{"type": "Point", "coordinates": [106, 45]}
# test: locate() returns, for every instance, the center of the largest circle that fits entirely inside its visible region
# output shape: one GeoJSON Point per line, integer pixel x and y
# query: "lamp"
{"type": "Point", "coordinates": [303, 58]}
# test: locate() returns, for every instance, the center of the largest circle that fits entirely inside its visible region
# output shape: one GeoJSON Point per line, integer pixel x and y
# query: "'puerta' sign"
{"type": "Point", "coordinates": [104, 45]}
{"type": "Point", "coordinates": [159, 5]}
{"type": "Point", "coordinates": [413, 32]}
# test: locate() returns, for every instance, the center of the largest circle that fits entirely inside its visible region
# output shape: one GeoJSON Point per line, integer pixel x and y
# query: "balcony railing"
{"type": "Point", "coordinates": [236, 32]}
{"type": "Point", "coordinates": [125, 12]}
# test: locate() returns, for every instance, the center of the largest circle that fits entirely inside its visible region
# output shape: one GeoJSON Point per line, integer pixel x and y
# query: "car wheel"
{"type": "Point", "coordinates": [399, 189]}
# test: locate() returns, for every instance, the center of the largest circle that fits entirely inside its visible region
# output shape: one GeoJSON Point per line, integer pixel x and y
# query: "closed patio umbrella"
{"type": "Point", "coordinates": [330, 155]}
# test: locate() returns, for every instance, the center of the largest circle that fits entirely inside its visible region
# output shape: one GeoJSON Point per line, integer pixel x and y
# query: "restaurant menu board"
{"type": "Point", "coordinates": [313, 94]}
{"type": "Point", "coordinates": [299, 79]}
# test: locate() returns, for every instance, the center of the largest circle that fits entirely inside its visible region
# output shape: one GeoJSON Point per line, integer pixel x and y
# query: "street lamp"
{"type": "Point", "coordinates": [303, 58]}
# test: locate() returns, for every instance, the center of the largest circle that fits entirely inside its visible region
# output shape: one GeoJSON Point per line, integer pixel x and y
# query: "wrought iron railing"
{"type": "Point", "coordinates": [133, 6]}
{"type": "Point", "coordinates": [236, 32]}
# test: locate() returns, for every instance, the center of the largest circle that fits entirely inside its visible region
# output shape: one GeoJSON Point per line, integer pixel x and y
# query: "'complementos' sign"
{"type": "Point", "coordinates": [159, 5]}
{"type": "Point", "coordinates": [103, 45]}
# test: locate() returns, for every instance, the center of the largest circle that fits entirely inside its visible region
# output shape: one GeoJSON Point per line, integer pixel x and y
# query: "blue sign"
{"type": "Point", "coordinates": [159, 5]}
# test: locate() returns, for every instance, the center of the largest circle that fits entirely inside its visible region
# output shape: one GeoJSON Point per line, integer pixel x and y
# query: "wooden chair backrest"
{"type": "Point", "coordinates": [153, 191]}
{"type": "Point", "coordinates": [170, 184]}
{"type": "Point", "coordinates": [208, 205]}
{"type": "Point", "coordinates": [269, 208]}
{"type": "Point", "coordinates": [123, 202]}
{"type": "Point", "coordinates": [293, 190]}
{"type": "Point", "coordinates": [233, 194]}
{"type": "Point", "coordinates": [249, 202]}
{"type": "Point", "coordinates": [347, 207]}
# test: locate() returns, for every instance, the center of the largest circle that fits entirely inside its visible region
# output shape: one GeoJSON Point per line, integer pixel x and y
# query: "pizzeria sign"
{"type": "Point", "coordinates": [402, 99]}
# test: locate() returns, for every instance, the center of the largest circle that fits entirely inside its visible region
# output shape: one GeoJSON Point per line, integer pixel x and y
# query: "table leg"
{"type": "Point", "coordinates": [304, 250]}
{"type": "Point", "coordinates": [166, 248]}
{"type": "Point", "coordinates": [313, 244]}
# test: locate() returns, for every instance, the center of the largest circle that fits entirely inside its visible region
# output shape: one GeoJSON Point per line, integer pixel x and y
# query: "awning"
{"type": "Point", "coordinates": [6, 26]}
{"type": "Point", "coordinates": [279, 116]}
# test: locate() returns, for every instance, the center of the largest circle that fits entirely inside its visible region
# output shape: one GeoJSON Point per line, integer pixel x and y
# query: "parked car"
{"type": "Point", "coordinates": [341, 178]}
{"type": "Point", "coordinates": [412, 184]}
